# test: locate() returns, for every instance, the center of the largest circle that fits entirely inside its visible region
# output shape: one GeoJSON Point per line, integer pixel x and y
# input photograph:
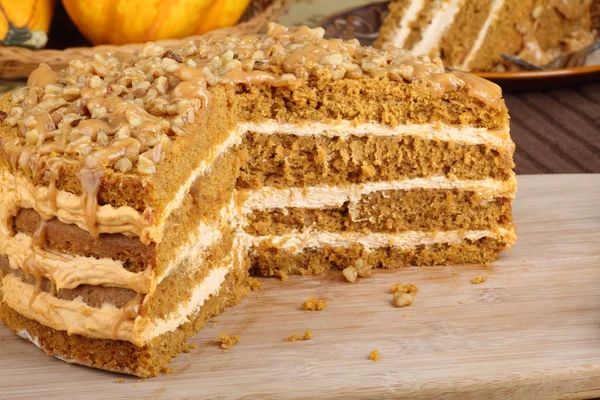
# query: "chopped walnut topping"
{"type": "Point", "coordinates": [374, 355]}
{"type": "Point", "coordinates": [402, 299]}
{"type": "Point", "coordinates": [227, 341]}
{"type": "Point", "coordinates": [350, 274]}
{"type": "Point", "coordinates": [292, 338]}
{"type": "Point", "coordinates": [478, 279]}
{"type": "Point", "coordinates": [313, 304]}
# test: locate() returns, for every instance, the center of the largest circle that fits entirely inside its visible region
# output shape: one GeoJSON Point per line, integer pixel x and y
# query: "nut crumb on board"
{"type": "Point", "coordinates": [408, 288]}
{"type": "Point", "coordinates": [292, 338]}
{"type": "Point", "coordinates": [350, 274]}
{"type": "Point", "coordinates": [254, 284]}
{"type": "Point", "coordinates": [314, 304]}
{"type": "Point", "coordinates": [403, 294]}
{"type": "Point", "coordinates": [374, 355]}
{"type": "Point", "coordinates": [227, 341]}
{"type": "Point", "coordinates": [478, 279]}
{"type": "Point", "coordinates": [120, 380]}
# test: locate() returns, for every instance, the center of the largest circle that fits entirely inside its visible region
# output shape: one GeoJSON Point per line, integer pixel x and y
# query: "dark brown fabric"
{"type": "Point", "coordinates": [557, 131]}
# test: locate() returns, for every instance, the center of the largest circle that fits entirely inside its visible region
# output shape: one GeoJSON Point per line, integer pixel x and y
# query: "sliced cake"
{"type": "Point", "coordinates": [471, 35]}
{"type": "Point", "coordinates": [138, 190]}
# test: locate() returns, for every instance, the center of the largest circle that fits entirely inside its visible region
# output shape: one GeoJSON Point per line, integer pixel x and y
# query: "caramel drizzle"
{"type": "Point", "coordinates": [130, 312]}
{"type": "Point", "coordinates": [31, 267]}
{"type": "Point", "coordinates": [40, 235]}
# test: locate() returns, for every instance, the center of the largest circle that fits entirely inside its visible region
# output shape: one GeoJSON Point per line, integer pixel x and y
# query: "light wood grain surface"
{"type": "Point", "coordinates": [531, 331]}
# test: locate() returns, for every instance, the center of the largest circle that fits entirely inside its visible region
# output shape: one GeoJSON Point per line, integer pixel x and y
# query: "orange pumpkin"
{"type": "Point", "coordinates": [25, 22]}
{"type": "Point", "coordinates": [137, 21]}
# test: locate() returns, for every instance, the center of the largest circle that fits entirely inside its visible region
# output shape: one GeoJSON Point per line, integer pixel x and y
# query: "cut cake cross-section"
{"type": "Point", "coordinates": [138, 190]}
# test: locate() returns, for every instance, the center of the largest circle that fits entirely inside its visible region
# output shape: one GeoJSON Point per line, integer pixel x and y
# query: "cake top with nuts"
{"type": "Point", "coordinates": [123, 111]}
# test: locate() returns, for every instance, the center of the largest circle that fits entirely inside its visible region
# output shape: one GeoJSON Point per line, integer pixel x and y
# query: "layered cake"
{"type": "Point", "coordinates": [471, 35]}
{"type": "Point", "coordinates": [138, 190]}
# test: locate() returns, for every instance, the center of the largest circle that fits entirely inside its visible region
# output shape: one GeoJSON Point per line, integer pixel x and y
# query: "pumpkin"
{"type": "Point", "coordinates": [25, 22]}
{"type": "Point", "coordinates": [136, 21]}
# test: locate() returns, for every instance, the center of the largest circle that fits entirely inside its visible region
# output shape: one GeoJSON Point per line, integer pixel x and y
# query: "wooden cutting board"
{"type": "Point", "coordinates": [532, 330]}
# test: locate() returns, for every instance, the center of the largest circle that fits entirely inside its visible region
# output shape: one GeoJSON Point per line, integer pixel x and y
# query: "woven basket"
{"type": "Point", "coordinates": [18, 62]}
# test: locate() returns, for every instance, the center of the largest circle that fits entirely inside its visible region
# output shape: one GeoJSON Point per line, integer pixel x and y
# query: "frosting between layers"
{"type": "Point", "coordinates": [403, 29]}
{"type": "Point", "coordinates": [108, 321]}
{"type": "Point", "coordinates": [210, 286]}
{"type": "Point", "coordinates": [492, 16]}
{"type": "Point", "coordinates": [406, 240]}
{"type": "Point", "coordinates": [67, 271]}
{"type": "Point", "coordinates": [344, 128]}
{"type": "Point", "coordinates": [336, 196]}
{"type": "Point", "coordinates": [442, 20]}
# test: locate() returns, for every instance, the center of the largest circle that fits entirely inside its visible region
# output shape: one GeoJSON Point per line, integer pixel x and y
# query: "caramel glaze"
{"type": "Point", "coordinates": [120, 105]}
{"type": "Point", "coordinates": [130, 311]}
{"type": "Point", "coordinates": [32, 267]}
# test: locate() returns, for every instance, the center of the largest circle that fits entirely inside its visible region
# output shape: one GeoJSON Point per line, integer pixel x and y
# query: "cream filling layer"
{"type": "Point", "coordinates": [18, 192]}
{"type": "Point", "coordinates": [336, 196]}
{"type": "Point", "coordinates": [405, 240]}
{"type": "Point", "coordinates": [108, 321]}
{"type": "Point", "coordinates": [67, 271]}
{"type": "Point", "coordinates": [491, 18]}
{"type": "Point", "coordinates": [439, 24]}
{"type": "Point", "coordinates": [403, 29]}
{"type": "Point", "coordinates": [433, 131]}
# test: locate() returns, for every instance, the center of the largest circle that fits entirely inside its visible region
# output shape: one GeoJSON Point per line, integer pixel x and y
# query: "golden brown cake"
{"type": "Point", "coordinates": [471, 35]}
{"type": "Point", "coordinates": [138, 190]}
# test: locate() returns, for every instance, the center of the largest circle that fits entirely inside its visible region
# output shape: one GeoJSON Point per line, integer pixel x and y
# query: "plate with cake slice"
{"type": "Point", "coordinates": [470, 35]}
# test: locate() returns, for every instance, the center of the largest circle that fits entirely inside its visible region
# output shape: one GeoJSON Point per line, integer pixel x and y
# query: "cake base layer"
{"type": "Point", "coordinates": [122, 356]}
{"type": "Point", "coordinates": [272, 261]}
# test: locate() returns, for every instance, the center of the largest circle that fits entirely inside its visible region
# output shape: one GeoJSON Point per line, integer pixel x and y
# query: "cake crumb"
{"type": "Point", "coordinates": [399, 288]}
{"type": "Point", "coordinates": [460, 302]}
{"type": "Point", "coordinates": [404, 315]}
{"type": "Point", "coordinates": [292, 338]}
{"type": "Point", "coordinates": [213, 320]}
{"type": "Point", "coordinates": [478, 279]}
{"type": "Point", "coordinates": [120, 380]}
{"type": "Point", "coordinates": [254, 284]}
{"type": "Point", "coordinates": [227, 341]}
{"type": "Point", "coordinates": [282, 275]}
{"type": "Point", "coordinates": [455, 273]}
{"type": "Point", "coordinates": [213, 326]}
{"type": "Point", "coordinates": [374, 355]}
{"type": "Point", "coordinates": [314, 304]}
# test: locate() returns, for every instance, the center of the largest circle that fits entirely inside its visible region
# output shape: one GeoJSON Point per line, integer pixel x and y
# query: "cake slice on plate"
{"type": "Point", "coordinates": [138, 190]}
{"type": "Point", "coordinates": [471, 35]}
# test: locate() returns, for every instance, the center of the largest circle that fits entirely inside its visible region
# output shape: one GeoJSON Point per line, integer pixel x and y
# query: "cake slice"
{"type": "Point", "coordinates": [471, 35]}
{"type": "Point", "coordinates": [138, 190]}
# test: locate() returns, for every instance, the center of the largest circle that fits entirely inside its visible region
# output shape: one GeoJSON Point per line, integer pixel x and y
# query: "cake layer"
{"type": "Point", "coordinates": [123, 356]}
{"type": "Point", "coordinates": [388, 211]}
{"type": "Point", "coordinates": [273, 260]}
{"type": "Point", "coordinates": [70, 239]}
{"type": "Point", "coordinates": [288, 160]}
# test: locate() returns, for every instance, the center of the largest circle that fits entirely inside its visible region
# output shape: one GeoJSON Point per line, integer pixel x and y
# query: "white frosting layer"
{"type": "Point", "coordinates": [234, 138]}
{"type": "Point", "coordinates": [371, 241]}
{"type": "Point", "coordinates": [439, 131]}
{"type": "Point", "coordinates": [492, 16]}
{"type": "Point", "coordinates": [403, 30]}
{"type": "Point", "coordinates": [210, 286]}
{"type": "Point", "coordinates": [336, 196]}
{"type": "Point", "coordinates": [438, 26]}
